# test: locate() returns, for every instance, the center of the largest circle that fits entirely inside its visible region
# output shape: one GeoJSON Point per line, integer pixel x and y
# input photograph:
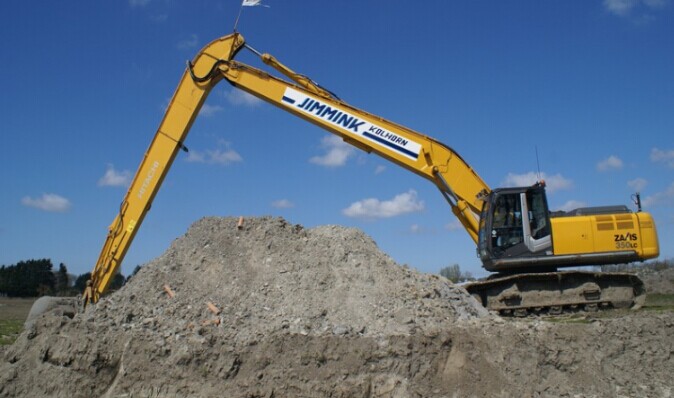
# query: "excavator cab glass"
{"type": "Point", "coordinates": [514, 226]}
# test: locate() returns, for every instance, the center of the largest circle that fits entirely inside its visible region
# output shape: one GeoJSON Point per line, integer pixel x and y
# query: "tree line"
{"type": "Point", "coordinates": [453, 272]}
{"type": "Point", "coordinates": [37, 277]}
{"type": "Point", "coordinates": [653, 265]}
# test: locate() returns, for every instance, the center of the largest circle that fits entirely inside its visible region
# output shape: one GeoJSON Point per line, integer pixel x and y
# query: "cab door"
{"type": "Point", "coordinates": [517, 224]}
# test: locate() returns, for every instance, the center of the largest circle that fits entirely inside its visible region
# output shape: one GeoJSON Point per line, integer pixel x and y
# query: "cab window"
{"type": "Point", "coordinates": [507, 221]}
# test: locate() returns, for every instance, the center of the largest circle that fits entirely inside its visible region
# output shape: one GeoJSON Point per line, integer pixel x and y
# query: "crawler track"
{"type": "Point", "coordinates": [557, 292]}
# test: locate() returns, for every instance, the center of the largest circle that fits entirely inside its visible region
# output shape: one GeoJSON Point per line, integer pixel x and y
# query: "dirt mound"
{"type": "Point", "coordinates": [272, 276]}
{"type": "Point", "coordinates": [271, 282]}
{"type": "Point", "coordinates": [315, 313]}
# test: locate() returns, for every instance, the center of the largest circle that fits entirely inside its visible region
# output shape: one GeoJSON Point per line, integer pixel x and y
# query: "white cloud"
{"type": "Point", "coordinates": [159, 18]}
{"type": "Point", "coordinates": [610, 163]}
{"type": "Point", "coordinates": [187, 44]}
{"type": "Point", "coordinates": [239, 97]}
{"type": "Point", "coordinates": [139, 3]}
{"type": "Point", "coordinates": [644, 20]}
{"type": "Point", "coordinates": [454, 225]}
{"type": "Point", "coordinates": [416, 229]}
{"type": "Point", "coordinates": [114, 178]}
{"type": "Point", "coordinates": [665, 197]}
{"type": "Point", "coordinates": [223, 156]}
{"type": "Point", "coordinates": [620, 7]}
{"type": "Point", "coordinates": [195, 156]}
{"type": "Point", "coordinates": [656, 3]}
{"type": "Point", "coordinates": [282, 204]}
{"type": "Point", "coordinates": [379, 169]}
{"type": "Point", "coordinates": [50, 202]}
{"type": "Point", "coordinates": [552, 182]}
{"type": "Point", "coordinates": [374, 208]}
{"type": "Point", "coordinates": [625, 8]}
{"type": "Point", "coordinates": [209, 110]}
{"type": "Point", "coordinates": [337, 152]}
{"type": "Point", "coordinates": [660, 156]}
{"type": "Point", "coordinates": [571, 205]}
{"type": "Point", "coordinates": [637, 184]}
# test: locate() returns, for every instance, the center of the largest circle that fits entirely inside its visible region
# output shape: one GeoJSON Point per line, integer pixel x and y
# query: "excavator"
{"type": "Point", "coordinates": [516, 235]}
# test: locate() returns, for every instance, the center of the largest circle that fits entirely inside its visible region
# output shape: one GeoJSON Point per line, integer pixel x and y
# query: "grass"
{"type": "Point", "coordinates": [13, 313]}
{"type": "Point", "coordinates": [9, 331]}
{"type": "Point", "coordinates": [659, 302]}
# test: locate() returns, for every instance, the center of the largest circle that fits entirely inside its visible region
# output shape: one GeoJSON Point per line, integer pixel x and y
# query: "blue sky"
{"type": "Point", "coordinates": [587, 84]}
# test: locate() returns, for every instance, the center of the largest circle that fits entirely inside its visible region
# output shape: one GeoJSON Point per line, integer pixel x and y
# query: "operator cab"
{"type": "Point", "coordinates": [515, 230]}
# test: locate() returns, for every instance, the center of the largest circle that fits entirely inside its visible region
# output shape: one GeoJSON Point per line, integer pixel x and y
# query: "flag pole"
{"type": "Point", "coordinates": [236, 23]}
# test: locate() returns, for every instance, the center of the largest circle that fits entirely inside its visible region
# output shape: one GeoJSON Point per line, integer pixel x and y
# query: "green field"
{"type": "Point", "coordinates": [13, 312]}
{"type": "Point", "coordinates": [659, 302]}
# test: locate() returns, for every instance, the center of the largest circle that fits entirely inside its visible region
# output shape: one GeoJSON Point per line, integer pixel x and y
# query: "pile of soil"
{"type": "Point", "coordinates": [276, 310]}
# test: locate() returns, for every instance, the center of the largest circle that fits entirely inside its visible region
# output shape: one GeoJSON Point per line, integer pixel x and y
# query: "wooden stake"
{"type": "Point", "coordinates": [213, 308]}
{"type": "Point", "coordinates": [168, 291]}
{"type": "Point", "coordinates": [239, 225]}
{"type": "Point", "coordinates": [214, 321]}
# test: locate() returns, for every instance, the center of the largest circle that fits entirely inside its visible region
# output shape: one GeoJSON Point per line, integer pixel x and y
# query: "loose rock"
{"type": "Point", "coordinates": [319, 312]}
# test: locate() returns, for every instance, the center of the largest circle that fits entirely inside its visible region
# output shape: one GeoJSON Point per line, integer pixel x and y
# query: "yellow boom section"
{"type": "Point", "coordinates": [416, 152]}
{"type": "Point", "coordinates": [460, 185]}
{"type": "Point", "coordinates": [180, 114]}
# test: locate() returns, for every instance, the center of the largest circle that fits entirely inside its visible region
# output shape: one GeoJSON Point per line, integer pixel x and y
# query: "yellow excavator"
{"type": "Point", "coordinates": [517, 236]}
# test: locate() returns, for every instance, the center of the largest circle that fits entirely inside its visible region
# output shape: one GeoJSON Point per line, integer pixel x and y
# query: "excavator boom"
{"type": "Point", "coordinates": [423, 155]}
{"type": "Point", "coordinates": [168, 140]}
{"type": "Point", "coordinates": [302, 97]}
{"type": "Point", "coordinates": [512, 227]}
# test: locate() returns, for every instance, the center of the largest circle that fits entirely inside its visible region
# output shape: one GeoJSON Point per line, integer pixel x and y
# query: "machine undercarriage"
{"type": "Point", "coordinates": [557, 292]}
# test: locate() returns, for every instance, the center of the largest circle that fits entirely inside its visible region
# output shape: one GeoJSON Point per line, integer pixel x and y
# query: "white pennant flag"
{"type": "Point", "coordinates": [247, 3]}
{"type": "Point", "coordinates": [252, 3]}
